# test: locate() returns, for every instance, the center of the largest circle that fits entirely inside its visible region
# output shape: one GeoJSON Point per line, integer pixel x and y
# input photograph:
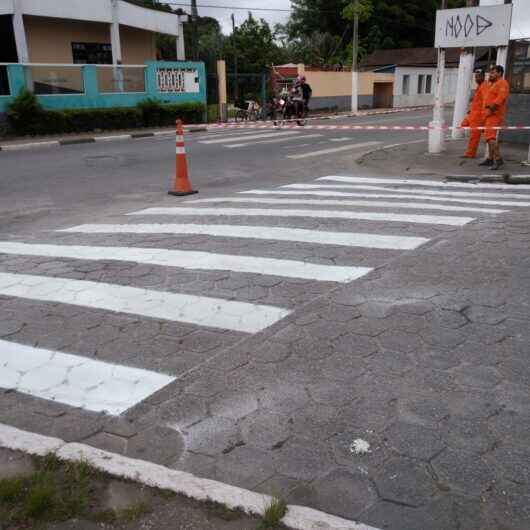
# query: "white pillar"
{"type": "Point", "coordinates": [463, 91]}
{"type": "Point", "coordinates": [181, 44]}
{"type": "Point", "coordinates": [354, 92]}
{"type": "Point", "coordinates": [20, 33]}
{"type": "Point", "coordinates": [502, 56]}
{"type": "Point", "coordinates": [115, 41]}
{"type": "Point", "coordinates": [437, 132]}
{"type": "Point", "coordinates": [115, 33]}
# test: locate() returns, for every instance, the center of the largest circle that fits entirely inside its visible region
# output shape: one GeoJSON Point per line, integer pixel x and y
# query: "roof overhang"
{"type": "Point", "coordinates": [98, 11]}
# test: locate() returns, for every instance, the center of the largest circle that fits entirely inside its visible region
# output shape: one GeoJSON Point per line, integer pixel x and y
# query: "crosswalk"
{"type": "Point", "coordinates": [296, 138]}
{"type": "Point", "coordinates": [262, 243]}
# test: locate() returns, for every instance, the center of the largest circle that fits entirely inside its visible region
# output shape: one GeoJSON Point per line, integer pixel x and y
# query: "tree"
{"type": "Point", "coordinates": [383, 23]}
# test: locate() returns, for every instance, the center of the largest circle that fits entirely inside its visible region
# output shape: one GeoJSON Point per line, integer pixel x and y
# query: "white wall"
{"type": "Point", "coordinates": [413, 98]}
{"type": "Point", "coordinates": [97, 11]}
{"type": "Point", "coordinates": [6, 7]}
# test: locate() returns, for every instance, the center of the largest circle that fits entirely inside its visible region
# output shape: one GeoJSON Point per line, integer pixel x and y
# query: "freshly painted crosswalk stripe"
{"type": "Point", "coordinates": [75, 380]}
{"type": "Point", "coordinates": [192, 260]}
{"type": "Point", "coordinates": [269, 233]}
{"type": "Point", "coordinates": [425, 195]}
{"type": "Point", "coordinates": [223, 133]}
{"type": "Point", "coordinates": [332, 150]}
{"type": "Point", "coordinates": [327, 202]}
{"type": "Point", "coordinates": [200, 310]}
{"type": "Point", "coordinates": [275, 141]}
{"type": "Point", "coordinates": [317, 214]}
{"type": "Point", "coordinates": [428, 183]}
{"type": "Point", "coordinates": [251, 137]}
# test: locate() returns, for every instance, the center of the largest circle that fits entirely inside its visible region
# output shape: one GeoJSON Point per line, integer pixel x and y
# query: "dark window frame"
{"type": "Point", "coordinates": [91, 53]}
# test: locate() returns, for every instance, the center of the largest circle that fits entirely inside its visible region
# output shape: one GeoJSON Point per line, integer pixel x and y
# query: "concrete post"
{"type": "Point", "coordinates": [437, 132]}
{"type": "Point", "coordinates": [181, 44]}
{"type": "Point", "coordinates": [115, 41]}
{"type": "Point", "coordinates": [20, 32]}
{"type": "Point", "coordinates": [221, 79]}
{"type": "Point", "coordinates": [463, 90]}
{"type": "Point", "coordinates": [354, 68]}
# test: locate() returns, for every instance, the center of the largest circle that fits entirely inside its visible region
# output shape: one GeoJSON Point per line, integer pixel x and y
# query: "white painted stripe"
{"type": "Point", "coordinates": [318, 214]}
{"type": "Point", "coordinates": [276, 140]}
{"type": "Point", "coordinates": [350, 147]}
{"type": "Point", "coordinates": [225, 132]}
{"type": "Point", "coordinates": [200, 310]}
{"type": "Point", "coordinates": [324, 202]}
{"type": "Point", "coordinates": [269, 233]}
{"type": "Point", "coordinates": [426, 195]}
{"type": "Point", "coordinates": [75, 380]}
{"type": "Point", "coordinates": [429, 183]}
{"type": "Point", "coordinates": [270, 134]}
{"type": "Point", "coordinates": [193, 260]}
{"type": "Point", "coordinates": [165, 478]}
{"type": "Point", "coordinates": [181, 150]}
{"type": "Point", "coordinates": [344, 139]}
{"type": "Point", "coordinates": [22, 147]}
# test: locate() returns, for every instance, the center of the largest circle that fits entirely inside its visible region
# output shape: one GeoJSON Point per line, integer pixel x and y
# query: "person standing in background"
{"type": "Point", "coordinates": [475, 116]}
{"type": "Point", "coordinates": [495, 107]}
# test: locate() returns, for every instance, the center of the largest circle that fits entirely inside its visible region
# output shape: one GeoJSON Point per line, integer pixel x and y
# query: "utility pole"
{"type": "Point", "coordinates": [354, 67]}
{"type": "Point", "coordinates": [194, 36]}
{"type": "Point", "coordinates": [463, 88]}
{"type": "Point", "coordinates": [437, 125]}
{"type": "Point", "coordinates": [236, 88]}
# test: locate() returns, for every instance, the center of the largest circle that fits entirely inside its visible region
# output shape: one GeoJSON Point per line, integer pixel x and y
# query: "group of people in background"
{"type": "Point", "coordinates": [488, 110]}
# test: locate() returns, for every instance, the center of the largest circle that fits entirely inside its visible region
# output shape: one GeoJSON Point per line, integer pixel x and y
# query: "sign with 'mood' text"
{"type": "Point", "coordinates": [474, 26]}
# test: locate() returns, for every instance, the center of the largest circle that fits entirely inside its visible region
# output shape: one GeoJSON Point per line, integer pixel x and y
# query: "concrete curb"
{"type": "Point", "coordinates": [93, 139]}
{"type": "Point", "coordinates": [157, 476]}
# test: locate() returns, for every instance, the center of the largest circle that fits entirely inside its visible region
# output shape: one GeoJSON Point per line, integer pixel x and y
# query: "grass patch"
{"type": "Point", "coordinates": [273, 514]}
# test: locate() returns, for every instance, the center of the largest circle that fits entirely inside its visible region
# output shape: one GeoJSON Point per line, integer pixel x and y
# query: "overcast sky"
{"type": "Point", "coordinates": [520, 25]}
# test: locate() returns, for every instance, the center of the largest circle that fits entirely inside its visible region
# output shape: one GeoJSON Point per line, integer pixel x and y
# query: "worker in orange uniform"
{"type": "Point", "coordinates": [495, 107]}
{"type": "Point", "coordinates": [475, 116]}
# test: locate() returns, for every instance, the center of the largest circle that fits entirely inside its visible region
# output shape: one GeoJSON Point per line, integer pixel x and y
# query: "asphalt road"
{"type": "Point", "coordinates": [46, 187]}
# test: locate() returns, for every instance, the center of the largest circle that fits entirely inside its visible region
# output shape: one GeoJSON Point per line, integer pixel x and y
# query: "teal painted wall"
{"type": "Point", "coordinates": [92, 98]}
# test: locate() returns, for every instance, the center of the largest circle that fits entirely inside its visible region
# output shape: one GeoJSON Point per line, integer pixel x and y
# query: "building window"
{"type": "Point", "coordinates": [520, 67]}
{"type": "Point", "coordinates": [91, 53]}
{"type": "Point", "coordinates": [406, 85]}
{"type": "Point", "coordinates": [428, 84]}
{"type": "Point", "coordinates": [421, 86]}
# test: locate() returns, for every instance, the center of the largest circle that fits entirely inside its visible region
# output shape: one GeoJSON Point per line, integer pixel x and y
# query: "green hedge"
{"type": "Point", "coordinates": [27, 117]}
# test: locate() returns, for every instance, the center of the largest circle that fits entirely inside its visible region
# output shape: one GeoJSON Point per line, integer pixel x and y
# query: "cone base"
{"type": "Point", "coordinates": [182, 193]}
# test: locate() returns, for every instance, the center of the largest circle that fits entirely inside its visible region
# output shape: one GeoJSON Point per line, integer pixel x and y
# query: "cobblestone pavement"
{"type": "Point", "coordinates": [422, 359]}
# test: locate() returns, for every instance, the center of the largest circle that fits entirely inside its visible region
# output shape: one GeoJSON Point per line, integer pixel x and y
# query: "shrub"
{"type": "Point", "coordinates": [27, 117]}
{"type": "Point", "coordinates": [24, 113]}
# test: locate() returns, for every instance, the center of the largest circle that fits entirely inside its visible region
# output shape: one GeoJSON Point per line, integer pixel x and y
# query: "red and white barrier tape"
{"type": "Point", "coordinates": [271, 125]}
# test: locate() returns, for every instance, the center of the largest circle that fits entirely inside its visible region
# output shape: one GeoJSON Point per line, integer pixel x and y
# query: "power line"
{"type": "Point", "coordinates": [232, 8]}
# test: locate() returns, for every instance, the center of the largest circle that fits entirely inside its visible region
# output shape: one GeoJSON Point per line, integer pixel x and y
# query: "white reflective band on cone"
{"type": "Point", "coordinates": [181, 150]}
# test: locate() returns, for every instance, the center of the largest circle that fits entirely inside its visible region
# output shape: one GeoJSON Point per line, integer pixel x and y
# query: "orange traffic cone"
{"type": "Point", "coordinates": [182, 185]}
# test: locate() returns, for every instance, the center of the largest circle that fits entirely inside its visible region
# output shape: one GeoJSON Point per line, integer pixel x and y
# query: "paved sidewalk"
{"type": "Point", "coordinates": [413, 159]}
{"type": "Point", "coordinates": [399, 399]}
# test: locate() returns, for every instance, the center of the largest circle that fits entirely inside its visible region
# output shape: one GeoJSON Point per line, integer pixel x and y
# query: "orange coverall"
{"type": "Point", "coordinates": [475, 118]}
{"type": "Point", "coordinates": [497, 94]}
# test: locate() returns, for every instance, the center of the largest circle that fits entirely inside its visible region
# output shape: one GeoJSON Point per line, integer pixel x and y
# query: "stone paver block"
{"type": "Point", "coordinates": [463, 472]}
{"type": "Point", "coordinates": [183, 411]}
{"type": "Point", "coordinates": [512, 462]}
{"type": "Point", "coordinates": [160, 445]}
{"type": "Point", "coordinates": [414, 441]}
{"type": "Point", "coordinates": [407, 482]}
{"type": "Point", "coordinates": [265, 430]}
{"type": "Point", "coordinates": [245, 466]}
{"type": "Point", "coordinates": [14, 464]}
{"type": "Point", "coordinates": [122, 495]}
{"type": "Point", "coordinates": [235, 405]}
{"type": "Point", "coordinates": [303, 459]}
{"type": "Point", "coordinates": [340, 492]}
{"type": "Point", "coordinates": [212, 436]}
